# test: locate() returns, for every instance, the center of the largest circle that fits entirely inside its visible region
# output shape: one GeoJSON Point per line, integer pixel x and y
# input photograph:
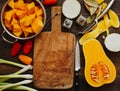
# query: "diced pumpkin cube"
{"type": "Point", "coordinates": [19, 5]}
{"type": "Point", "coordinates": [26, 9]}
{"type": "Point", "coordinates": [28, 29]}
{"type": "Point", "coordinates": [39, 12]}
{"type": "Point", "coordinates": [29, 20]}
{"type": "Point", "coordinates": [8, 15]}
{"type": "Point", "coordinates": [40, 17]}
{"type": "Point", "coordinates": [31, 8]}
{"type": "Point", "coordinates": [37, 25]}
{"type": "Point", "coordinates": [14, 21]}
{"type": "Point", "coordinates": [7, 24]}
{"type": "Point", "coordinates": [17, 33]}
{"type": "Point", "coordinates": [22, 21]}
{"type": "Point", "coordinates": [37, 8]}
{"type": "Point", "coordinates": [16, 27]}
{"type": "Point", "coordinates": [14, 14]}
{"type": "Point", "coordinates": [25, 33]}
{"type": "Point", "coordinates": [11, 4]}
{"type": "Point", "coordinates": [20, 13]}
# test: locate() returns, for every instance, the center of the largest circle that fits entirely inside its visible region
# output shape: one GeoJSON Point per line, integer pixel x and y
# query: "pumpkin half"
{"type": "Point", "coordinates": [99, 69]}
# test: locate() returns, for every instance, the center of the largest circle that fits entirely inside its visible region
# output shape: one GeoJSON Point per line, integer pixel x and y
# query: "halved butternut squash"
{"type": "Point", "coordinates": [99, 69]}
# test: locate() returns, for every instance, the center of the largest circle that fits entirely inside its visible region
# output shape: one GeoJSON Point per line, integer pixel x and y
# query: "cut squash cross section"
{"type": "Point", "coordinates": [99, 69]}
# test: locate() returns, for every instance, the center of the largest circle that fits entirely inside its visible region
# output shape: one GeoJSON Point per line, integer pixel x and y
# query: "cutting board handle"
{"type": "Point", "coordinates": [56, 20]}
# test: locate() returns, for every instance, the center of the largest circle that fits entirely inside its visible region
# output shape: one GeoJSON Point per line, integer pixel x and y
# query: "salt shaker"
{"type": "Point", "coordinates": [67, 23]}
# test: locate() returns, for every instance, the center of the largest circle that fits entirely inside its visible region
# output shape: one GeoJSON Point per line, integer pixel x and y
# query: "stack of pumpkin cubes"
{"type": "Point", "coordinates": [22, 18]}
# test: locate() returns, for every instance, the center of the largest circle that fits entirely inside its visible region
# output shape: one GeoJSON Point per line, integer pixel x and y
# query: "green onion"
{"type": "Point", "coordinates": [12, 63]}
{"type": "Point", "coordinates": [3, 87]}
{"type": "Point", "coordinates": [16, 86]}
{"type": "Point", "coordinates": [20, 87]}
{"type": "Point", "coordinates": [26, 76]}
{"type": "Point", "coordinates": [17, 73]}
{"type": "Point", "coordinates": [23, 88]}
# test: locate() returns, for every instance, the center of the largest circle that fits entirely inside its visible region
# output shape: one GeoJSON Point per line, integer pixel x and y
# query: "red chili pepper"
{"type": "Point", "coordinates": [49, 2]}
{"type": "Point", "coordinates": [27, 46]}
{"type": "Point", "coordinates": [15, 49]}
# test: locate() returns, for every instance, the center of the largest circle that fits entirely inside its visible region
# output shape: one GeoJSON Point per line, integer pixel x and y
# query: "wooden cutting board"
{"type": "Point", "coordinates": [54, 56]}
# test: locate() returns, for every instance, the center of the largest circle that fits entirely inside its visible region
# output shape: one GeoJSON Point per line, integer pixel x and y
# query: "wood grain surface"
{"type": "Point", "coordinates": [83, 86]}
{"type": "Point", "coordinates": [54, 56]}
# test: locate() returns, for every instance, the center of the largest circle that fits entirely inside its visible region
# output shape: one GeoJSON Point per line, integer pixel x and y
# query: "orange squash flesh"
{"type": "Point", "coordinates": [94, 54]}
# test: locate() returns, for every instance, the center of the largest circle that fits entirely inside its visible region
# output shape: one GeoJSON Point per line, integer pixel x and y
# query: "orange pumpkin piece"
{"type": "Point", "coordinates": [19, 5]}
{"type": "Point", "coordinates": [11, 4]}
{"type": "Point", "coordinates": [39, 12]}
{"type": "Point", "coordinates": [37, 8]}
{"type": "Point", "coordinates": [37, 25]}
{"type": "Point", "coordinates": [28, 29]}
{"type": "Point", "coordinates": [8, 15]}
{"type": "Point", "coordinates": [40, 17]}
{"type": "Point", "coordinates": [16, 27]}
{"type": "Point", "coordinates": [14, 21]}
{"type": "Point", "coordinates": [25, 33]}
{"type": "Point", "coordinates": [31, 8]}
{"type": "Point", "coordinates": [7, 24]}
{"type": "Point", "coordinates": [17, 33]}
{"type": "Point", "coordinates": [20, 13]}
{"type": "Point", "coordinates": [22, 21]}
{"type": "Point", "coordinates": [29, 19]}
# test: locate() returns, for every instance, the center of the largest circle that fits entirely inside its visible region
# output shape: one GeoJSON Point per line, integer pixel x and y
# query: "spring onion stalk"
{"type": "Point", "coordinates": [16, 86]}
{"type": "Point", "coordinates": [20, 87]}
{"type": "Point", "coordinates": [26, 76]}
{"type": "Point", "coordinates": [17, 73]}
{"type": "Point", "coordinates": [24, 69]}
{"type": "Point", "coordinates": [23, 88]}
{"type": "Point", "coordinates": [12, 63]}
{"type": "Point", "coordinates": [3, 87]}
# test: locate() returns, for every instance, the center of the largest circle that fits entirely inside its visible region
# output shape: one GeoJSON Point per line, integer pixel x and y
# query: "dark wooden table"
{"type": "Point", "coordinates": [83, 86]}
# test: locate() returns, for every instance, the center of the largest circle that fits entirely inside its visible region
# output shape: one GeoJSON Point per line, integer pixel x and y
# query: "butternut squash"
{"type": "Point", "coordinates": [99, 69]}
